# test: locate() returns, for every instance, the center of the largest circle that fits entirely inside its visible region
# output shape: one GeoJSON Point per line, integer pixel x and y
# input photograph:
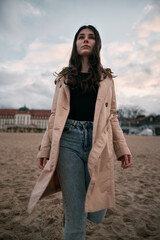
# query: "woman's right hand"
{"type": "Point", "coordinates": [42, 162]}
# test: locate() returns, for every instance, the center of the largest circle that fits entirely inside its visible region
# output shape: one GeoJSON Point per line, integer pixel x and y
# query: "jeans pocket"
{"type": "Point", "coordinates": [67, 128]}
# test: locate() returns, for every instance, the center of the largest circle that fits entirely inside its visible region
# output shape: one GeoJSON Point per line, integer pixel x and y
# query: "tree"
{"type": "Point", "coordinates": [130, 111]}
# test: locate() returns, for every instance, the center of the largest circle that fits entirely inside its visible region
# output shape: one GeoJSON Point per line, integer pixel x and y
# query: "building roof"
{"type": "Point", "coordinates": [40, 113]}
{"type": "Point", "coordinates": [34, 113]}
{"type": "Point", "coordinates": [9, 112]}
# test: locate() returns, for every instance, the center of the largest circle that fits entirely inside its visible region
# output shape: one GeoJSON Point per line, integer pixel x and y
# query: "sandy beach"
{"type": "Point", "coordinates": [137, 212]}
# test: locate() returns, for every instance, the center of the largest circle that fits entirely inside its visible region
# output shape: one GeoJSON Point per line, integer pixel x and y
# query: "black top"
{"type": "Point", "coordinates": [82, 105]}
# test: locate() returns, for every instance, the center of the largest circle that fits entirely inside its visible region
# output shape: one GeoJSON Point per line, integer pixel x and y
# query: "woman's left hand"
{"type": "Point", "coordinates": [126, 161]}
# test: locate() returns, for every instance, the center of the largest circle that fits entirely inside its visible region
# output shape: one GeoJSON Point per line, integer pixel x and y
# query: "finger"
{"type": "Point", "coordinates": [129, 161]}
{"type": "Point", "coordinates": [126, 160]}
{"type": "Point", "coordinates": [123, 163]}
{"type": "Point", "coordinates": [40, 163]}
{"type": "Point", "coordinates": [44, 162]}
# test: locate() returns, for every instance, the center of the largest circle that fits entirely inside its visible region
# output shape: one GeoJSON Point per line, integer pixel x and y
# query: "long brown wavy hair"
{"type": "Point", "coordinates": [96, 70]}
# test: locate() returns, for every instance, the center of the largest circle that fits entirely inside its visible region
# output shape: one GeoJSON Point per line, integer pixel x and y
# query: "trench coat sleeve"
{"type": "Point", "coordinates": [119, 142]}
{"type": "Point", "coordinates": [45, 147]}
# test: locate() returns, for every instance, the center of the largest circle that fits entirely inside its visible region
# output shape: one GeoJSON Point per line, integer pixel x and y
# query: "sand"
{"type": "Point", "coordinates": [137, 211]}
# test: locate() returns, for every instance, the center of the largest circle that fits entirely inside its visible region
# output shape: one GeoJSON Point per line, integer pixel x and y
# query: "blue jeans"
{"type": "Point", "coordinates": [75, 145]}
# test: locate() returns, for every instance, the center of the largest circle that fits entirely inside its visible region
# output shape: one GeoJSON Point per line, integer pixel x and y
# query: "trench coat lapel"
{"type": "Point", "coordinates": [102, 93]}
{"type": "Point", "coordinates": [64, 97]}
{"type": "Point", "coordinates": [67, 94]}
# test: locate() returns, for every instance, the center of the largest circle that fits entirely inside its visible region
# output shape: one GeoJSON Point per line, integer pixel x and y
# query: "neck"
{"type": "Point", "coordinates": [85, 65]}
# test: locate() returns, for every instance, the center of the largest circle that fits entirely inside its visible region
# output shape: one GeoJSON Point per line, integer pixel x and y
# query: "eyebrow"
{"type": "Point", "coordinates": [90, 34]}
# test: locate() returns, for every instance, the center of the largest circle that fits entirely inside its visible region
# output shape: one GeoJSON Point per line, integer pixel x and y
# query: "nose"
{"type": "Point", "coordinates": [86, 39]}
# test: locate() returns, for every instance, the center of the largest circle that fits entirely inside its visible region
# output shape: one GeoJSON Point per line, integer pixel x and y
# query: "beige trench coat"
{"type": "Point", "coordinates": [107, 135]}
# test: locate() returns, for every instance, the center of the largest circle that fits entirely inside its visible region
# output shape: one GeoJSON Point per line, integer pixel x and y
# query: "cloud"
{"type": "Point", "coordinates": [117, 48]}
{"type": "Point", "coordinates": [65, 39]}
{"type": "Point", "coordinates": [43, 53]}
{"type": "Point", "coordinates": [143, 42]}
{"type": "Point", "coordinates": [30, 80]}
{"type": "Point", "coordinates": [156, 46]}
{"type": "Point", "coordinates": [149, 22]}
{"type": "Point", "coordinates": [124, 61]}
{"type": "Point", "coordinates": [10, 80]}
{"type": "Point", "coordinates": [19, 89]}
{"type": "Point", "coordinates": [147, 27]}
{"type": "Point", "coordinates": [39, 57]}
{"type": "Point", "coordinates": [29, 9]}
{"type": "Point", "coordinates": [14, 66]}
{"type": "Point", "coordinates": [12, 16]}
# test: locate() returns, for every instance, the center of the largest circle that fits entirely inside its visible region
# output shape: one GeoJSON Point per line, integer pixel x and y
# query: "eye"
{"type": "Point", "coordinates": [92, 36]}
{"type": "Point", "coordinates": [80, 37]}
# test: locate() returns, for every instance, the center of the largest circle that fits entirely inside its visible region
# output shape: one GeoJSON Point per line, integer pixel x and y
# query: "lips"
{"type": "Point", "coordinates": [85, 46]}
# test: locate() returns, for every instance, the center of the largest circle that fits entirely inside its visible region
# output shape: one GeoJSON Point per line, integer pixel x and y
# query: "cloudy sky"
{"type": "Point", "coordinates": [36, 40]}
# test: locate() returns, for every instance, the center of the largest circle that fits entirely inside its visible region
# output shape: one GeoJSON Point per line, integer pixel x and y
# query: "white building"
{"type": "Point", "coordinates": [23, 120]}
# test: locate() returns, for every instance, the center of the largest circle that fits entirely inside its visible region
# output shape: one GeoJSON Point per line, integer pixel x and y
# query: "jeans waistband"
{"type": "Point", "coordinates": [80, 124]}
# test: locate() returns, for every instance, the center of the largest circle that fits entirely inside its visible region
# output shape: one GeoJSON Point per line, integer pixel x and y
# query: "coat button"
{"type": "Point", "coordinates": [106, 104]}
{"type": "Point", "coordinates": [60, 86]}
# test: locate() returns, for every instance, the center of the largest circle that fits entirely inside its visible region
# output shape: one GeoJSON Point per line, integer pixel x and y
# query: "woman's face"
{"type": "Point", "coordinates": [85, 42]}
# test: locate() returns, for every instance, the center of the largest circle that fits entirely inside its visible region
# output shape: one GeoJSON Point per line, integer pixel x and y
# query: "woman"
{"type": "Point", "coordinates": [76, 149]}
